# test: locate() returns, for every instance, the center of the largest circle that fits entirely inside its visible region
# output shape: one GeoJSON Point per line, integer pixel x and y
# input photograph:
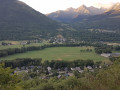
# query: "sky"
{"type": "Point", "coordinates": [48, 6]}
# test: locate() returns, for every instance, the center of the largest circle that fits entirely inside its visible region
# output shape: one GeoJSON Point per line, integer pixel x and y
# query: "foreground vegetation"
{"type": "Point", "coordinates": [106, 78]}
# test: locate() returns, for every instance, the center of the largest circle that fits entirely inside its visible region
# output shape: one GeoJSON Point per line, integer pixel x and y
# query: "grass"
{"type": "Point", "coordinates": [18, 45]}
{"type": "Point", "coordinates": [59, 53]}
{"type": "Point", "coordinates": [116, 52]}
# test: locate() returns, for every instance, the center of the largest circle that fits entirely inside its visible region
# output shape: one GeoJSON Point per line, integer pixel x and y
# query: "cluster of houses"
{"type": "Point", "coordinates": [59, 40]}
{"type": "Point", "coordinates": [30, 41]}
{"type": "Point", "coordinates": [66, 72]}
{"type": "Point", "coordinates": [19, 70]}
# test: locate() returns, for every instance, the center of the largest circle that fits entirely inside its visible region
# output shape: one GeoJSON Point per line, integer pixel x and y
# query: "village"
{"type": "Point", "coordinates": [49, 72]}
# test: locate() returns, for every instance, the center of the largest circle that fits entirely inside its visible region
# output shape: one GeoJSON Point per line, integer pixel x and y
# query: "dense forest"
{"type": "Point", "coordinates": [92, 35]}
{"type": "Point", "coordinates": [78, 35]}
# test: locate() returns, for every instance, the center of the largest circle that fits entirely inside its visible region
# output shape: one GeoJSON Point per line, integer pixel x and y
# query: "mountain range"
{"type": "Point", "coordinates": [110, 19]}
{"type": "Point", "coordinates": [90, 17]}
{"type": "Point", "coordinates": [72, 13]}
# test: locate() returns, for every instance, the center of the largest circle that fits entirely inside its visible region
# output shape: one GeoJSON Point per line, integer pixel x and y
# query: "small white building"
{"type": "Point", "coordinates": [110, 54]}
{"type": "Point", "coordinates": [73, 69]}
{"type": "Point", "coordinates": [89, 67]}
{"type": "Point", "coordinates": [49, 69]}
{"type": "Point", "coordinates": [106, 54]}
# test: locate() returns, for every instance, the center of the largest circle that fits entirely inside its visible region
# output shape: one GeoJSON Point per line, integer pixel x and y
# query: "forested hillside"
{"type": "Point", "coordinates": [18, 21]}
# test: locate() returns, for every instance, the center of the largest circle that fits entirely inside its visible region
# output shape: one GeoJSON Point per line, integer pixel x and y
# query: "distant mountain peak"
{"type": "Point", "coordinates": [83, 6]}
{"type": "Point", "coordinates": [71, 13]}
{"type": "Point", "coordinates": [118, 4]}
{"type": "Point", "coordinates": [115, 7]}
{"type": "Point", "coordinates": [70, 9]}
{"type": "Point", "coordinates": [82, 10]}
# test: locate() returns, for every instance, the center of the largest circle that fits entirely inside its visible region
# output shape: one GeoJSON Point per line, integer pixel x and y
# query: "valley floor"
{"type": "Point", "coordinates": [60, 53]}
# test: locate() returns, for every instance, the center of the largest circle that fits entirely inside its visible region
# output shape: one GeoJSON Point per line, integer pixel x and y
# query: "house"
{"type": "Point", "coordinates": [62, 72]}
{"type": "Point", "coordinates": [27, 68]}
{"type": "Point", "coordinates": [21, 71]}
{"type": "Point", "coordinates": [50, 73]}
{"type": "Point", "coordinates": [39, 67]}
{"type": "Point", "coordinates": [59, 76]}
{"type": "Point", "coordinates": [23, 68]}
{"type": "Point", "coordinates": [49, 69]}
{"type": "Point", "coordinates": [100, 66]}
{"type": "Point", "coordinates": [106, 54]}
{"type": "Point", "coordinates": [66, 75]}
{"type": "Point", "coordinates": [77, 68]}
{"type": "Point", "coordinates": [23, 42]}
{"type": "Point", "coordinates": [91, 70]}
{"type": "Point", "coordinates": [81, 71]}
{"type": "Point", "coordinates": [44, 77]}
{"type": "Point", "coordinates": [115, 55]}
{"type": "Point", "coordinates": [31, 67]}
{"type": "Point", "coordinates": [66, 69]}
{"type": "Point", "coordinates": [58, 69]}
{"type": "Point", "coordinates": [70, 74]}
{"type": "Point", "coordinates": [73, 69]}
{"type": "Point", "coordinates": [110, 54]}
{"type": "Point", "coordinates": [89, 67]}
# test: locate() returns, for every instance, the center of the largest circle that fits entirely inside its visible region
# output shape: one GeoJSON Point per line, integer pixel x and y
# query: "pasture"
{"type": "Point", "coordinates": [60, 53]}
{"type": "Point", "coordinates": [18, 45]}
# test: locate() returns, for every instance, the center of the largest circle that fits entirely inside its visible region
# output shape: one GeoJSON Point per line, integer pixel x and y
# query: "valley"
{"type": "Point", "coordinates": [69, 49]}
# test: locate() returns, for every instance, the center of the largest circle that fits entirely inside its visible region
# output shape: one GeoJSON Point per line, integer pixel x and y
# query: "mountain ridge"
{"type": "Point", "coordinates": [107, 20]}
{"type": "Point", "coordinates": [71, 13]}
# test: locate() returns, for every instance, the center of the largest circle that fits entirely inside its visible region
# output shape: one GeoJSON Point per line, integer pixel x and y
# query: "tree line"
{"type": "Point", "coordinates": [106, 49]}
{"type": "Point", "coordinates": [55, 64]}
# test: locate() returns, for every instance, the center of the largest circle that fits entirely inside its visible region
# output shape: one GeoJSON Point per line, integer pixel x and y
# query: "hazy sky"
{"type": "Point", "coordinates": [47, 6]}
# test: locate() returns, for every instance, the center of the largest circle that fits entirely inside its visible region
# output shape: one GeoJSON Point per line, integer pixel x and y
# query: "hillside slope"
{"type": "Point", "coordinates": [19, 21]}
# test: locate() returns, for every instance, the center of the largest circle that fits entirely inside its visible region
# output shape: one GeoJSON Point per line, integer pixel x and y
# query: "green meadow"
{"type": "Point", "coordinates": [59, 53]}
{"type": "Point", "coordinates": [19, 46]}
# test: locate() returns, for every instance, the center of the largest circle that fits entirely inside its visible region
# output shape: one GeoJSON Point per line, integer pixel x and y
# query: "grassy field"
{"type": "Point", "coordinates": [59, 53]}
{"type": "Point", "coordinates": [18, 45]}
